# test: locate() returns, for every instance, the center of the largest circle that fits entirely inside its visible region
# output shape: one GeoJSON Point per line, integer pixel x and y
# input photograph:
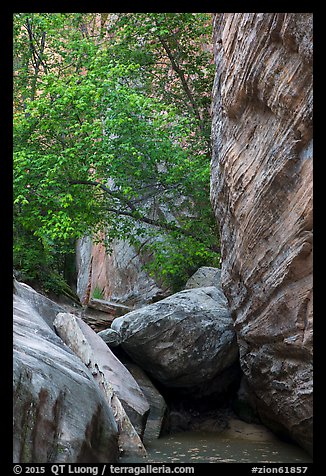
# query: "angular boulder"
{"type": "Point", "coordinates": [156, 401]}
{"type": "Point", "coordinates": [183, 340]}
{"type": "Point", "coordinates": [261, 191]}
{"type": "Point", "coordinates": [60, 415]}
{"type": "Point", "coordinates": [109, 307]}
{"type": "Point", "coordinates": [111, 337]}
{"type": "Point", "coordinates": [203, 277]}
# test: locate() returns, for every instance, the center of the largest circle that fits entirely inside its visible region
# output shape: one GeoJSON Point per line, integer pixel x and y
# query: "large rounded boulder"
{"type": "Point", "coordinates": [183, 340]}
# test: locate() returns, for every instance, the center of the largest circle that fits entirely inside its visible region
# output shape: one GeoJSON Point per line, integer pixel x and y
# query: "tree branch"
{"type": "Point", "coordinates": [37, 57]}
{"type": "Point", "coordinates": [135, 214]}
{"type": "Point", "coordinates": [182, 78]}
{"type": "Point", "coordinates": [96, 184]}
{"type": "Point", "coordinates": [163, 225]}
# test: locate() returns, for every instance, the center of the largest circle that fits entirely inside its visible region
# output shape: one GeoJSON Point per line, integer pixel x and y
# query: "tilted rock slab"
{"type": "Point", "coordinates": [105, 368]}
{"type": "Point", "coordinates": [261, 191]}
{"type": "Point", "coordinates": [183, 340]}
{"type": "Point", "coordinates": [112, 308]}
{"type": "Point", "coordinates": [43, 305]}
{"type": "Point", "coordinates": [92, 349]}
{"type": "Point", "coordinates": [60, 415]}
{"type": "Point", "coordinates": [158, 407]}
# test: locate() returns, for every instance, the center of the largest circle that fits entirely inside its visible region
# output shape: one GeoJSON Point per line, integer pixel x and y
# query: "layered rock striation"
{"type": "Point", "coordinates": [261, 192]}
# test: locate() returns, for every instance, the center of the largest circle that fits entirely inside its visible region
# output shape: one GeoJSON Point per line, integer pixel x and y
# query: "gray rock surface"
{"type": "Point", "coordinates": [43, 305]}
{"type": "Point", "coordinates": [84, 260]}
{"type": "Point", "coordinates": [105, 368]}
{"type": "Point", "coordinates": [156, 401]}
{"type": "Point", "coordinates": [97, 355]}
{"type": "Point", "coordinates": [261, 190]}
{"type": "Point", "coordinates": [203, 277]}
{"type": "Point", "coordinates": [183, 340]}
{"type": "Point", "coordinates": [60, 415]}
{"type": "Point", "coordinates": [111, 337]}
{"type": "Point", "coordinates": [116, 310]}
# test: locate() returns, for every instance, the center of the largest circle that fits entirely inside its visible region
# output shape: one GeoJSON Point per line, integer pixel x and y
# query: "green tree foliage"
{"type": "Point", "coordinates": [109, 137]}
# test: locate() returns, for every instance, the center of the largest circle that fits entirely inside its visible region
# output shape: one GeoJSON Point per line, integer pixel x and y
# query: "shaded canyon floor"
{"type": "Point", "coordinates": [241, 443]}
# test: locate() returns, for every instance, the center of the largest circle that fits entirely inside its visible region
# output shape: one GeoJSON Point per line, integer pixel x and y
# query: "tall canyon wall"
{"type": "Point", "coordinates": [261, 191]}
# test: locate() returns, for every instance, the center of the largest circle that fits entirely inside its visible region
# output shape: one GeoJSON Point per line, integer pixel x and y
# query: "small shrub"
{"type": "Point", "coordinates": [97, 293]}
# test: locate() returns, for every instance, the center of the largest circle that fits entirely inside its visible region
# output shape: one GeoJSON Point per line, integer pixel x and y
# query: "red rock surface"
{"type": "Point", "coordinates": [119, 276]}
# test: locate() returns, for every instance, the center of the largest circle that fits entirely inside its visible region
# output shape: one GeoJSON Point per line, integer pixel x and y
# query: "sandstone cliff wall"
{"type": "Point", "coordinates": [119, 276]}
{"type": "Point", "coordinates": [261, 191]}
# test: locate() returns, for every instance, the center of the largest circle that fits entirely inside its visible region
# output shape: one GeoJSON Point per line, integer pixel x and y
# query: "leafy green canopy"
{"type": "Point", "coordinates": [112, 137]}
